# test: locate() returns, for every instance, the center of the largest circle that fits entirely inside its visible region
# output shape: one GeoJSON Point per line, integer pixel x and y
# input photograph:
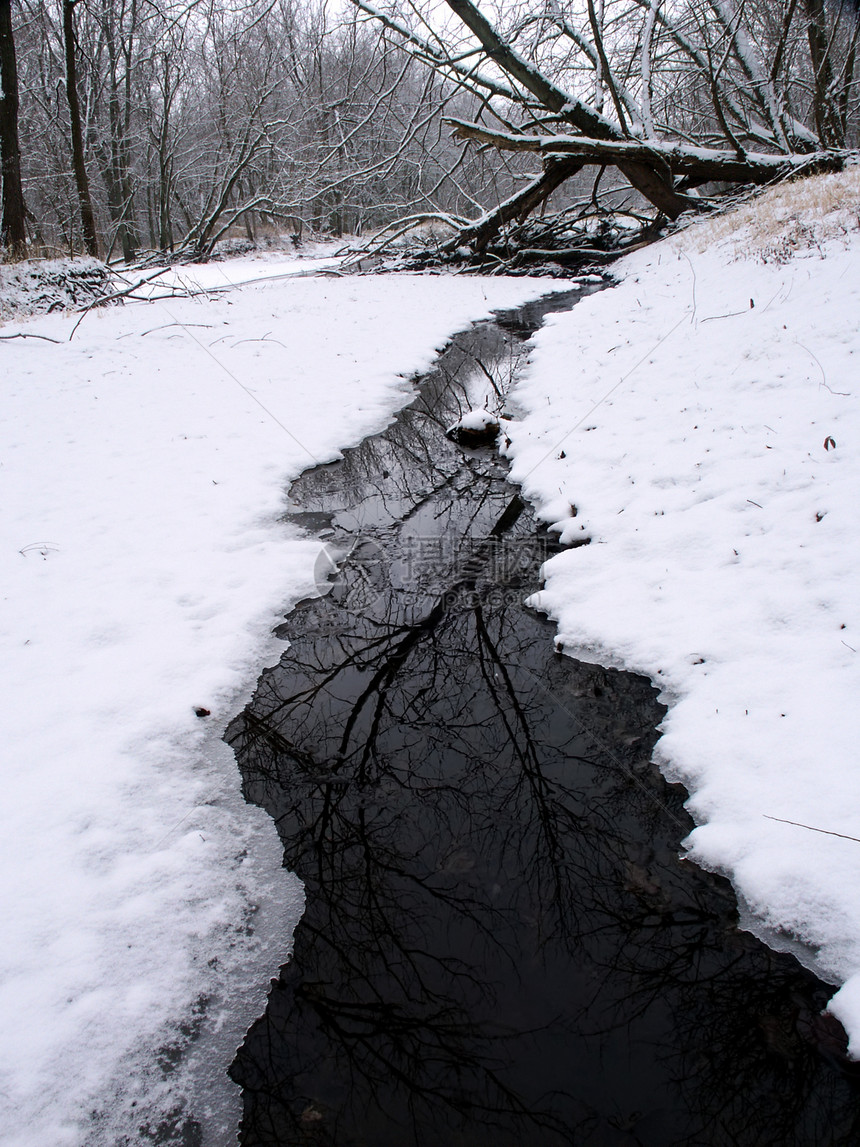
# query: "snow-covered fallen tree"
{"type": "Point", "coordinates": [670, 96]}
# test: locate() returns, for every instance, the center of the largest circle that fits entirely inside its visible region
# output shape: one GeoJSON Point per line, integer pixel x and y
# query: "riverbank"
{"type": "Point", "coordinates": [699, 425]}
{"type": "Point", "coordinates": [144, 564]}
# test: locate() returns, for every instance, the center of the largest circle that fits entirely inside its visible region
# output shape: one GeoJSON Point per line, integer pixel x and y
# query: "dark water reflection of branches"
{"type": "Point", "coordinates": [500, 946]}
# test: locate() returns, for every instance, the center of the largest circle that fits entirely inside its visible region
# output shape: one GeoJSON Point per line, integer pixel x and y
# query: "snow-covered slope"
{"type": "Point", "coordinates": [700, 424]}
{"type": "Point", "coordinates": [142, 472]}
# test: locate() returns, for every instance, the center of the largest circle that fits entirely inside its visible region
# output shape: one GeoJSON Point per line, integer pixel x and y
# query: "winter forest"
{"type": "Point", "coordinates": [160, 127]}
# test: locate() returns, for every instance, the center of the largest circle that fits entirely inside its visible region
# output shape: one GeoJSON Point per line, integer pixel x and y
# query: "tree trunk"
{"type": "Point", "coordinates": [675, 159]}
{"type": "Point", "coordinates": [88, 222]}
{"type": "Point", "coordinates": [13, 233]}
{"type": "Point", "coordinates": [827, 122]}
{"type": "Point", "coordinates": [480, 233]}
{"type": "Point", "coordinates": [648, 181]}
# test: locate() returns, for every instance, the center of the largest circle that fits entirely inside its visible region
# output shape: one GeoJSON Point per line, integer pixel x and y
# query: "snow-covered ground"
{"type": "Point", "coordinates": [239, 270]}
{"type": "Point", "coordinates": [700, 424]}
{"type": "Point", "coordinates": [143, 467]}
{"type": "Point", "coordinates": [703, 420]}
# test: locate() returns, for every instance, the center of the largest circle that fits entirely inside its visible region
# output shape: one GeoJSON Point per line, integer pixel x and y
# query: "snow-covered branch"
{"type": "Point", "coordinates": [701, 163]}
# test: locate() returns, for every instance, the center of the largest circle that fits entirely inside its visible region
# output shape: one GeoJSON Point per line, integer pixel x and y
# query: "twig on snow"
{"type": "Point", "coordinates": [164, 326]}
{"type": "Point", "coordinates": [128, 293]}
{"type": "Point", "coordinates": [112, 297]}
{"type": "Point", "coordinates": [265, 339]}
{"type": "Point", "coordinates": [826, 831]}
{"type": "Point", "coordinates": [22, 335]}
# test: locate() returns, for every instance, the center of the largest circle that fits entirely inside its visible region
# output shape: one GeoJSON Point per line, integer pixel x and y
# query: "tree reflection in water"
{"type": "Point", "coordinates": [500, 946]}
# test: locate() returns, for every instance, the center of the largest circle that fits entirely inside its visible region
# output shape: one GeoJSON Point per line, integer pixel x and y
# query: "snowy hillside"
{"type": "Point", "coordinates": [700, 426]}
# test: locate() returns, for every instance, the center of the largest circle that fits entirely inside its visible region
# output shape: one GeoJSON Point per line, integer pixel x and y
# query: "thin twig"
{"type": "Point", "coordinates": [811, 828]}
{"type": "Point", "coordinates": [102, 299]}
{"type": "Point", "coordinates": [730, 315]}
{"type": "Point", "coordinates": [128, 292]}
{"type": "Point", "coordinates": [838, 393]}
{"type": "Point", "coordinates": [265, 339]}
{"type": "Point", "coordinates": [46, 338]}
{"type": "Point", "coordinates": [164, 327]}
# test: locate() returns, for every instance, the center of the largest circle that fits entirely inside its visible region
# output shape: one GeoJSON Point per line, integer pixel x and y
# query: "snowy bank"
{"type": "Point", "coordinates": [699, 424]}
{"type": "Point", "coordinates": [40, 286]}
{"type": "Point", "coordinates": [143, 468]}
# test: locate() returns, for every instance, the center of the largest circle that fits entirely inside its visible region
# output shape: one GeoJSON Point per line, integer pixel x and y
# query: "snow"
{"type": "Point", "coordinates": [143, 468]}
{"type": "Point", "coordinates": [240, 270]}
{"type": "Point", "coordinates": [476, 419]}
{"type": "Point", "coordinates": [36, 287]}
{"type": "Point", "coordinates": [699, 424]}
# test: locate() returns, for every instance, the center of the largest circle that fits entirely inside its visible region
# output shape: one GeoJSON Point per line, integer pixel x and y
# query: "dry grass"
{"type": "Point", "coordinates": [787, 219]}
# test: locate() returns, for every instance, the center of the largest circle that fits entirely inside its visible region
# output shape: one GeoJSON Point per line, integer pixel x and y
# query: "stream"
{"type": "Point", "coordinates": [501, 946]}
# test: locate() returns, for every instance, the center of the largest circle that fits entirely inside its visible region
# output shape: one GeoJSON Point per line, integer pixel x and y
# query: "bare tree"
{"type": "Point", "coordinates": [13, 235]}
{"type": "Point", "coordinates": [117, 28]}
{"type": "Point", "coordinates": [672, 95]}
{"type": "Point", "coordinates": [209, 120]}
{"type": "Point", "coordinates": [82, 183]}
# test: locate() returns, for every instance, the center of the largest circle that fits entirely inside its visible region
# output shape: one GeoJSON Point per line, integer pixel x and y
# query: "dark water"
{"type": "Point", "coordinates": [501, 947]}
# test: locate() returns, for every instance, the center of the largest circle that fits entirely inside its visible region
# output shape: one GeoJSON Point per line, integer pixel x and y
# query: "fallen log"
{"type": "Point", "coordinates": [479, 233]}
{"type": "Point", "coordinates": [675, 159]}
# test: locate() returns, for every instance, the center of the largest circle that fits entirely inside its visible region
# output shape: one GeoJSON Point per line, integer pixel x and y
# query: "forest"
{"type": "Point", "coordinates": [130, 128]}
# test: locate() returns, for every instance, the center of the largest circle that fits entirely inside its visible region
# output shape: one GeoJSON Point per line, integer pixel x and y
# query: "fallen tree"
{"type": "Point", "coordinates": [698, 164]}
{"type": "Point", "coordinates": [674, 97]}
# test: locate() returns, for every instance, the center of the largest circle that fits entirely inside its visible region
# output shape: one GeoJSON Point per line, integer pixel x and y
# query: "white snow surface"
{"type": "Point", "coordinates": [700, 424]}
{"type": "Point", "coordinates": [475, 419]}
{"type": "Point", "coordinates": [143, 470]}
{"type": "Point", "coordinates": [239, 270]}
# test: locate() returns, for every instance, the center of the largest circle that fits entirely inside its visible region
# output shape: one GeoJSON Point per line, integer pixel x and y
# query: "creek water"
{"type": "Point", "coordinates": [501, 946]}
